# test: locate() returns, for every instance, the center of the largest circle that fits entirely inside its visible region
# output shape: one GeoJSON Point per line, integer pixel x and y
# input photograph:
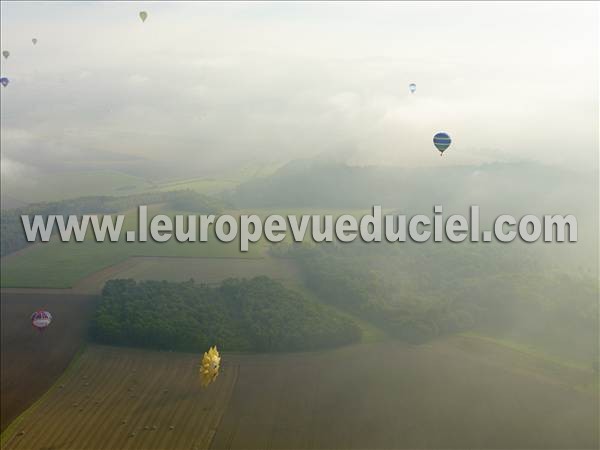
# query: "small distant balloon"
{"type": "Point", "coordinates": [41, 319]}
{"type": "Point", "coordinates": [143, 15]}
{"type": "Point", "coordinates": [34, 40]}
{"type": "Point", "coordinates": [412, 87]}
{"type": "Point", "coordinates": [5, 53]}
{"type": "Point", "coordinates": [442, 141]}
{"type": "Point", "coordinates": [4, 81]}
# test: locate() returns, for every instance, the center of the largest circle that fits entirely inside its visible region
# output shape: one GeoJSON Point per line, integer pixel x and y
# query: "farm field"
{"type": "Point", "coordinates": [125, 398]}
{"type": "Point", "coordinates": [453, 393]}
{"type": "Point", "coordinates": [220, 182]}
{"type": "Point", "coordinates": [61, 265]}
{"type": "Point", "coordinates": [32, 361]}
{"type": "Point", "coordinates": [202, 270]}
{"type": "Point", "coordinates": [457, 392]}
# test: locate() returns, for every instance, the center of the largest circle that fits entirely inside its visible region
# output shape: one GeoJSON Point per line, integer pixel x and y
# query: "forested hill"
{"type": "Point", "coordinates": [507, 186]}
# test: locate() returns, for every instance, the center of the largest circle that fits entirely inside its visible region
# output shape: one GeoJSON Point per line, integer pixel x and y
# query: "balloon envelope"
{"type": "Point", "coordinates": [34, 40]}
{"type": "Point", "coordinates": [4, 81]}
{"type": "Point", "coordinates": [209, 366]}
{"type": "Point", "coordinates": [41, 319]}
{"type": "Point", "coordinates": [5, 53]}
{"type": "Point", "coordinates": [442, 141]}
{"type": "Point", "coordinates": [143, 15]}
{"type": "Point", "coordinates": [412, 87]}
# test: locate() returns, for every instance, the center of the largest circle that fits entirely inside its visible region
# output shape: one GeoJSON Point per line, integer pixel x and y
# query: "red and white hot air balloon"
{"type": "Point", "coordinates": [41, 319]}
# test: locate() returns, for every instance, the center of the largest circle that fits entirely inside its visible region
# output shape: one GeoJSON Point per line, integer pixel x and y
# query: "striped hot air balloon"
{"type": "Point", "coordinates": [41, 319]}
{"type": "Point", "coordinates": [442, 141]}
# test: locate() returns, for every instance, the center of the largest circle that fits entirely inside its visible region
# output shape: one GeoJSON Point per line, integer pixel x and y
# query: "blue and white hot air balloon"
{"type": "Point", "coordinates": [442, 141]}
{"type": "Point", "coordinates": [412, 87]}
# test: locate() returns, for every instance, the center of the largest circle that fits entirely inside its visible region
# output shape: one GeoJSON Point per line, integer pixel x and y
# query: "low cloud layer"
{"type": "Point", "coordinates": [200, 87]}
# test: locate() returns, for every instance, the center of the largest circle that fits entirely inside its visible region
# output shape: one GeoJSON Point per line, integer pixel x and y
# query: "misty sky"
{"type": "Point", "coordinates": [204, 86]}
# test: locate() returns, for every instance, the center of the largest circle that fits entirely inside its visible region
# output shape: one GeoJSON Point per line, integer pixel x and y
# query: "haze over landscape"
{"type": "Point", "coordinates": [204, 86]}
{"type": "Point", "coordinates": [300, 108]}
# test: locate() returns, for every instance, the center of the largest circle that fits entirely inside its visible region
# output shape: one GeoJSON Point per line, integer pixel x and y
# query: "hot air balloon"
{"type": "Point", "coordinates": [34, 40]}
{"type": "Point", "coordinates": [5, 53]}
{"type": "Point", "coordinates": [209, 367]}
{"type": "Point", "coordinates": [41, 319]}
{"type": "Point", "coordinates": [442, 141]}
{"type": "Point", "coordinates": [4, 81]}
{"type": "Point", "coordinates": [143, 15]}
{"type": "Point", "coordinates": [412, 87]}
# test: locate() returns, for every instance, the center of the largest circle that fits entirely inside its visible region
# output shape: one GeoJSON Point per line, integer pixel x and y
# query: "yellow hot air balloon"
{"type": "Point", "coordinates": [209, 367]}
{"type": "Point", "coordinates": [143, 15]}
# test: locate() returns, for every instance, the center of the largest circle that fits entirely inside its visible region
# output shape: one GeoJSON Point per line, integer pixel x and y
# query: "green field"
{"type": "Point", "coordinates": [60, 265]}
{"type": "Point", "coordinates": [225, 181]}
{"type": "Point", "coordinates": [201, 185]}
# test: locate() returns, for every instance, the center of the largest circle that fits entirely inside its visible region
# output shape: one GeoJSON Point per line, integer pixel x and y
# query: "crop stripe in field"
{"type": "Point", "coordinates": [183, 416]}
{"type": "Point", "coordinates": [120, 431]}
{"type": "Point", "coordinates": [10, 431]}
{"type": "Point", "coordinates": [67, 434]}
{"type": "Point", "coordinates": [188, 417]}
{"type": "Point", "coordinates": [108, 372]}
{"type": "Point", "coordinates": [97, 377]}
{"type": "Point", "coordinates": [70, 395]}
{"type": "Point", "coordinates": [226, 394]}
{"type": "Point", "coordinates": [100, 374]}
{"type": "Point", "coordinates": [163, 439]}
{"type": "Point", "coordinates": [135, 420]}
{"type": "Point", "coordinates": [46, 408]}
{"type": "Point", "coordinates": [145, 415]}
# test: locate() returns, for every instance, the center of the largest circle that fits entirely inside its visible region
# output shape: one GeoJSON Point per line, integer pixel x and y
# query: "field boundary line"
{"type": "Point", "coordinates": [80, 286]}
{"type": "Point", "coordinates": [525, 350]}
{"type": "Point", "coordinates": [9, 432]}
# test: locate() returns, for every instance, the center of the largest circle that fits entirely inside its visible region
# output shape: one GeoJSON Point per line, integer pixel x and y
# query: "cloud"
{"type": "Point", "coordinates": [203, 86]}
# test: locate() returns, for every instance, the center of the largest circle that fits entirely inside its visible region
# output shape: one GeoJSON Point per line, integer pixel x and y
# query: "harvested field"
{"type": "Point", "coordinates": [450, 394]}
{"type": "Point", "coordinates": [32, 361]}
{"type": "Point", "coordinates": [125, 398]}
{"type": "Point", "coordinates": [455, 393]}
